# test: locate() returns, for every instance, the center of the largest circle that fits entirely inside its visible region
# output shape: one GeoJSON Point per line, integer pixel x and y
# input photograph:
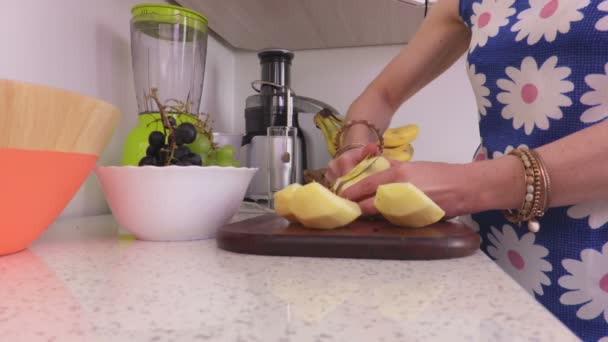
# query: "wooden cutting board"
{"type": "Point", "coordinates": [368, 239]}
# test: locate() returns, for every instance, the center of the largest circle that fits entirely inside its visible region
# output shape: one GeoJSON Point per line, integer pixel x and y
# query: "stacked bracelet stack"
{"type": "Point", "coordinates": [338, 142]}
{"type": "Point", "coordinates": [538, 189]}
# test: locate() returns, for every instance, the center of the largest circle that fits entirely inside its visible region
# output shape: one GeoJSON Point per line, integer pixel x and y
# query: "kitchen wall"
{"type": "Point", "coordinates": [84, 46]}
{"type": "Point", "coordinates": [444, 110]}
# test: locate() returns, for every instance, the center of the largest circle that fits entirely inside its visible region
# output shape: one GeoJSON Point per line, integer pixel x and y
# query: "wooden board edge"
{"type": "Point", "coordinates": [351, 249]}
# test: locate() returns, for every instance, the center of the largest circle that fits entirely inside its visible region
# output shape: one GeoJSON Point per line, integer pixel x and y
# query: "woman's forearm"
{"type": "Point", "coordinates": [440, 41]}
{"type": "Point", "coordinates": [577, 166]}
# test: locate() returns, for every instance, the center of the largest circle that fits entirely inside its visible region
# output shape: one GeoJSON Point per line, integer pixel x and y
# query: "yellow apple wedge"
{"type": "Point", "coordinates": [282, 201]}
{"type": "Point", "coordinates": [379, 163]}
{"type": "Point", "coordinates": [315, 206]}
{"type": "Point", "coordinates": [403, 204]}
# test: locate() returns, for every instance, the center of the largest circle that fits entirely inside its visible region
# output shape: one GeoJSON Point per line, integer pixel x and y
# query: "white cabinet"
{"type": "Point", "coordinates": [310, 24]}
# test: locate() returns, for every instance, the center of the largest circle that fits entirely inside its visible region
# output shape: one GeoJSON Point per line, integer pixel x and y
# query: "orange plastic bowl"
{"type": "Point", "coordinates": [50, 141]}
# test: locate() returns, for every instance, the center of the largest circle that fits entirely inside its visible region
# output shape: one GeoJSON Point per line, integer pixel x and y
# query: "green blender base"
{"type": "Point", "coordinates": [136, 142]}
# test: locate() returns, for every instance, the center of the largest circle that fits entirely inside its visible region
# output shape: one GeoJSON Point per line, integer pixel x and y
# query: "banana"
{"type": "Point", "coordinates": [397, 141]}
{"type": "Point", "coordinates": [401, 153]}
{"type": "Point", "coordinates": [330, 124]}
{"type": "Point", "coordinates": [400, 136]}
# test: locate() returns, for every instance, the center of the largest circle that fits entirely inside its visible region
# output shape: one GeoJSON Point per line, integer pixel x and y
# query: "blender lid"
{"type": "Point", "coordinates": [169, 14]}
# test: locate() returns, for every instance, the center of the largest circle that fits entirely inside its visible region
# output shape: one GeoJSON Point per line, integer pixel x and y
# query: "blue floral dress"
{"type": "Point", "coordinates": [539, 71]}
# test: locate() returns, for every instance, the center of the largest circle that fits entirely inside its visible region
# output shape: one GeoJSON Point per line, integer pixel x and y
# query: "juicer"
{"type": "Point", "coordinates": [168, 52]}
{"type": "Point", "coordinates": [275, 104]}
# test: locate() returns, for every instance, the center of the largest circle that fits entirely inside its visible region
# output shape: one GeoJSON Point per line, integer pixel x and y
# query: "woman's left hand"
{"type": "Point", "coordinates": [448, 185]}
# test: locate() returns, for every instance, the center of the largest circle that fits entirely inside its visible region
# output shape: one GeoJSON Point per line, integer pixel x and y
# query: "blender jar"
{"type": "Point", "coordinates": [168, 52]}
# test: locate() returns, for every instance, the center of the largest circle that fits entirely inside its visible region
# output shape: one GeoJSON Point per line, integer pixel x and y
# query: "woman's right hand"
{"type": "Point", "coordinates": [341, 165]}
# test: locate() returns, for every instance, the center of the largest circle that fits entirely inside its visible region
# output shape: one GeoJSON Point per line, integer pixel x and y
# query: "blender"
{"type": "Point", "coordinates": [168, 52]}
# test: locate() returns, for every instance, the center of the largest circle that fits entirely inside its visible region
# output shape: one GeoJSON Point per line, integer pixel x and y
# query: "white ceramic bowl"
{"type": "Point", "coordinates": [174, 203]}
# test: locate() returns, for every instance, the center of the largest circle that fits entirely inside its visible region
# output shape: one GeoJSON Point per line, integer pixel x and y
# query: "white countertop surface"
{"type": "Point", "coordinates": [81, 282]}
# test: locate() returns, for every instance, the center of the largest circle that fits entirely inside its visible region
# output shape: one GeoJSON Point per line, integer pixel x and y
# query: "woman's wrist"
{"type": "Point", "coordinates": [496, 184]}
{"type": "Point", "coordinates": [358, 134]}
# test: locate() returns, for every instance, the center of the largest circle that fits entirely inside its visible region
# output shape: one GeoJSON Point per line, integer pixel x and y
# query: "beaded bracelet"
{"type": "Point", "coordinates": [538, 188]}
{"type": "Point", "coordinates": [347, 148]}
{"type": "Point", "coordinates": [347, 126]}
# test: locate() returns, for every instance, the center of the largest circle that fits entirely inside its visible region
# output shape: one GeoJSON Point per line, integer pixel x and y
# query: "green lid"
{"type": "Point", "coordinates": [169, 14]}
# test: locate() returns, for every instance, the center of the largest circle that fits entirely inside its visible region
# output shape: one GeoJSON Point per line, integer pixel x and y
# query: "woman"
{"type": "Point", "coordinates": [539, 70]}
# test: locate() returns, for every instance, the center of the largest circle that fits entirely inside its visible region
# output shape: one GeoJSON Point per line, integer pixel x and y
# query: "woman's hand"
{"type": "Point", "coordinates": [347, 161]}
{"type": "Point", "coordinates": [448, 185]}
{"type": "Point", "coordinates": [577, 165]}
{"type": "Point", "coordinates": [459, 189]}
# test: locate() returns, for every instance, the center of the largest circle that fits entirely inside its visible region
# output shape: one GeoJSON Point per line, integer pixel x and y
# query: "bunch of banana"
{"type": "Point", "coordinates": [397, 141]}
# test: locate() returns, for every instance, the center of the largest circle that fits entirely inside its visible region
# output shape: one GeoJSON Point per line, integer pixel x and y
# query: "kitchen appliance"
{"type": "Point", "coordinates": [168, 53]}
{"type": "Point", "coordinates": [270, 234]}
{"type": "Point", "coordinates": [281, 157]}
{"type": "Point", "coordinates": [275, 104]}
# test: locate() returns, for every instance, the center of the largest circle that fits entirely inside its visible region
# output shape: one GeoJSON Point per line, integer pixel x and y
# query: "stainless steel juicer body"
{"type": "Point", "coordinates": [275, 104]}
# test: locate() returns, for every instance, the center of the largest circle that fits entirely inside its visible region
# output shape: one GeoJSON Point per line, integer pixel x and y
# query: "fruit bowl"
{"type": "Point", "coordinates": [174, 203]}
{"type": "Point", "coordinates": [50, 141]}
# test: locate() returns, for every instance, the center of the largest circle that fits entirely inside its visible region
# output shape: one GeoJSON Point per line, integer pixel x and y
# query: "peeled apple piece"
{"type": "Point", "coordinates": [314, 206]}
{"type": "Point", "coordinates": [403, 204]}
{"type": "Point", "coordinates": [282, 201]}
{"type": "Point", "coordinates": [379, 164]}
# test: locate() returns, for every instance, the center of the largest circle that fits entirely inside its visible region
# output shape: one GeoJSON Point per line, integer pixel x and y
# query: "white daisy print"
{"type": "Point", "coordinates": [598, 97]}
{"type": "Point", "coordinates": [498, 154]}
{"type": "Point", "coordinates": [487, 19]}
{"type": "Point", "coordinates": [596, 211]}
{"type": "Point", "coordinates": [533, 94]}
{"type": "Point", "coordinates": [545, 18]}
{"type": "Point", "coordinates": [602, 24]}
{"type": "Point", "coordinates": [588, 282]}
{"type": "Point", "coordinates": [478, 82]}
{"type": "Point", "coordinates": [520, 258]}
{"type": "Point", "coordinates": [468, 221]}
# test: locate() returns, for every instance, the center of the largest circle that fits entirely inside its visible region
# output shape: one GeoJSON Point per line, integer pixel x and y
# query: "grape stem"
{"type": "Point", "coordinates": [203, 126]}
{"type": "Point", "coordinates": [166, 124]}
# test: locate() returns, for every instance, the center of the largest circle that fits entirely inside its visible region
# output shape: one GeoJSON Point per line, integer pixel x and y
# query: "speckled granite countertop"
{"type": "Point", "coordinates": [80, 282]}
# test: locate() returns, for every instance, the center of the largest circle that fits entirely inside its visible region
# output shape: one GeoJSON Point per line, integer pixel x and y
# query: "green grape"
{"type": "Point", "coordinates": [210, 159]}
{"type": "Point", "coordinates": [236, 163]}
{"type": "Point", "coordinates": [201, 145]}
{"type": "Point", "coordinates": [225, 152]}
{"type": "Point", "coordinates": [204, 158]}
{"type": "Point", "coordinates": [224, 162]}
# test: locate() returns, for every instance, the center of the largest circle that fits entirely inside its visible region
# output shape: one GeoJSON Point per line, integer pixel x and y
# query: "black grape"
{"type": "Point", "coordinates": [147, 160]}
{"type": "Point", "coordinates": [152, 152]}
{"type": "Point", "coordinates": [181, 152]}
{"type": "Point", "coordinates": [156, 140]}
{"type": "Point", "coordinates": [185, 133]}
{"type": "Point", "coordinates": [194, 159]}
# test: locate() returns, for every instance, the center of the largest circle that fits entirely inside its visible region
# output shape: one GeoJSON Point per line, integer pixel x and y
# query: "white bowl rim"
{"type": "Point", "coordinates": [178, 167]}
